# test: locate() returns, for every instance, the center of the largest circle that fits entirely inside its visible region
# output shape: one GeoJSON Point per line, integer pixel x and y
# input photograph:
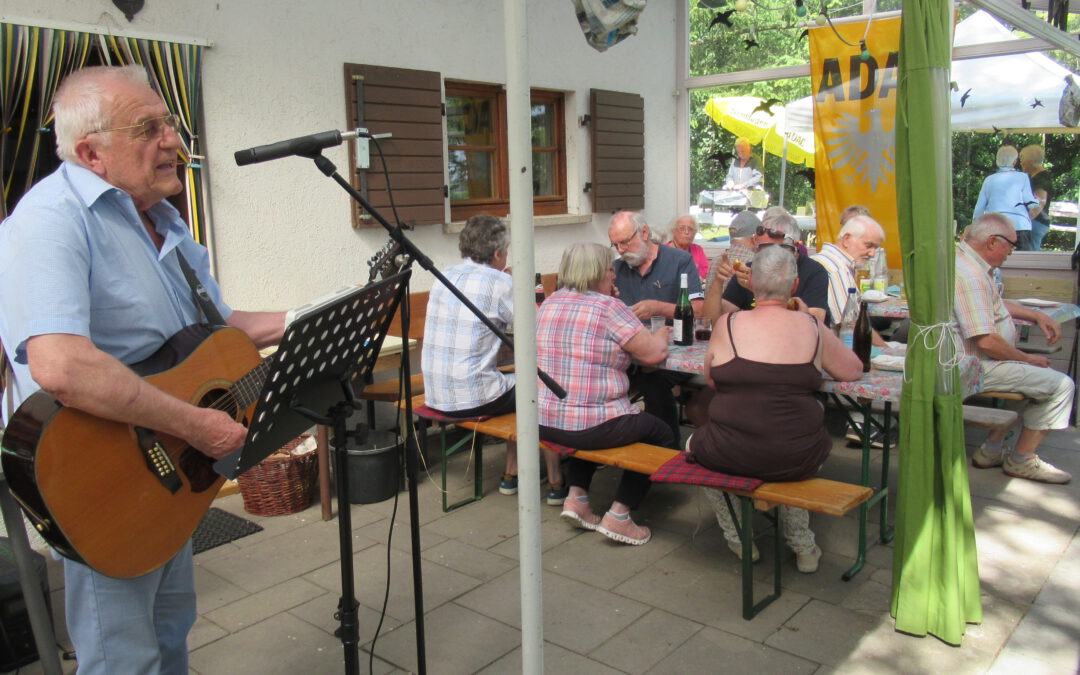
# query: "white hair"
{"type": "Point", "coordinates": [83, 103]}
{"type": "Point", "coordinates": [1006, 155]}
{"type": "Point", "coordinates": [778, 218]}
{"type": "Point", "coordinates": [858, 225]}
{"type": "Point", "coordinates": [773, 273]}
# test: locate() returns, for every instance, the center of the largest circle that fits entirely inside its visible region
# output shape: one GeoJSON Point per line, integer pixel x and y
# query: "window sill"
{"type": "Point", "coordinates": [455, 227]}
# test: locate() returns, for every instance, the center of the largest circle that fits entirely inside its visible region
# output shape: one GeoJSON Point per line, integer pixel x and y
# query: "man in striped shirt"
{"type": "Point", "coordinates": [859, 238]}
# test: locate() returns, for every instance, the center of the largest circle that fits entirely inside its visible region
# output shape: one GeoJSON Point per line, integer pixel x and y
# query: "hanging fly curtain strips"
{"type": "Point", "coordinates": [34, 60]}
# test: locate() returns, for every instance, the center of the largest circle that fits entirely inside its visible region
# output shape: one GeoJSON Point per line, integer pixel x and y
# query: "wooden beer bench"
{"type": "Point", "coordinates": [821, 495]}
{"type": "Point", "coordinates": [501, 426]}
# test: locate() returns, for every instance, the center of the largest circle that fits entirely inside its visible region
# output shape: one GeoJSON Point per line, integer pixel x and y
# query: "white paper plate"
{"type": "Point", "coordinates": [886, 362]}
{"type": "Point", "coordinates": [1036, 302]}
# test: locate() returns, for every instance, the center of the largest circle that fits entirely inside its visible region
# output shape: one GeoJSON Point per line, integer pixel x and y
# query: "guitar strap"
{"type": "Point", "coordinates": [199, 293]}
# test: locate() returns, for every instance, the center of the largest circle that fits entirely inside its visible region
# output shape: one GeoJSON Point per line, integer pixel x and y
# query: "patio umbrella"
{"type": "Point", "coordinates": [743, 116]}
{"type": "Point", "coordinates": [800, 144]}
{"type": "Point", "coordinates": [935, 570]}
{"type": "Point", "coordinates": [750, 118]}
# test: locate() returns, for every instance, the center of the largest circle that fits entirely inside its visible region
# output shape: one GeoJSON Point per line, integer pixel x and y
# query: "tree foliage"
{"type": "Point", "coordinates": [721, 49]}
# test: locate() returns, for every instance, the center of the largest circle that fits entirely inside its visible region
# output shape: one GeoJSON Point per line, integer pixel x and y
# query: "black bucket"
{"type": "Point", "coordinates": [375, 471]}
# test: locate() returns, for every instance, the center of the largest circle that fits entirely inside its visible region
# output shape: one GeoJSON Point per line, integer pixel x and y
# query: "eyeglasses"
{"type": "Point", "coordinates": [767, 244]}
{"type": "Point", "coordinates": [1012, 243]}
{"type": "Point", "coordinates": [685, 228]}
{"type": "Point", "coordinates": [771, 234]}
{"type": "Point", "coordinates": [625, 243]}
{"type": "Point", "coordinates": [149, 129]}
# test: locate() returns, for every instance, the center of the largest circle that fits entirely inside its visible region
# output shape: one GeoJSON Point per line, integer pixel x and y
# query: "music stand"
{"type": "Point", "coordinates": [325, 348]}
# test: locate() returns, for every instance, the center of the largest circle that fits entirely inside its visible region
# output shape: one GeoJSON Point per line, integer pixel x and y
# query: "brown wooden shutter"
{"type": "Point", "coordinates": [407, 104]}
{"type": "Point", "coordinates": [618, 150]}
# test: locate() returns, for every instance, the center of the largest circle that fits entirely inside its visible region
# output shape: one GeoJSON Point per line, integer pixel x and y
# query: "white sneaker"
{"type": "Point", "coordinates": [736, 548]}
{"type": "Point", "coordinates": [1036, 469]}
{"type": "Point", "coordinates": [981, 459]}
{"type": "Point", "coordinates": [807, 563]}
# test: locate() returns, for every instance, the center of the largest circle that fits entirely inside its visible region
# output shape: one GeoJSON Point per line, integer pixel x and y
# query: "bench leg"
{"type": "Point", "coordinates": [478, 470]}
{"type": "Point", "coordinates": [744, 524]}
{"type": "Point", "coordinates": [882, 492]}
{"type": "Point", "coordinates": [886, 526]}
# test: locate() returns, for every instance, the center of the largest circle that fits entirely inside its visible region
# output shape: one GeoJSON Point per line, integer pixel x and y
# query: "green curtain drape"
{"type": "Point", "coordinates": [935, 568]}
{"type": "Point", "coordinates": [176, 73]}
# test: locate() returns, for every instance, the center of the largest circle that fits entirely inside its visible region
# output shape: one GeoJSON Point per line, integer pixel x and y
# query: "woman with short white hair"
{"type": "Point", "coordinates": [586, 339]}
{"type": "Point", "coordinates": [764, 420]}
{"type": "Point", "coordinates": [681, 234]}
{"type": "Point", "coordinates": [1008, 191]}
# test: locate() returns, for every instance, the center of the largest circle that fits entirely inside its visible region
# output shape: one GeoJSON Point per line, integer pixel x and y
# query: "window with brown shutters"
{"type": "Point", "coordinates": [408, 105]}
{"type": "Point", "coordinates": [617, 123]}
{"type": "Point", "coordinates": [477, 150]}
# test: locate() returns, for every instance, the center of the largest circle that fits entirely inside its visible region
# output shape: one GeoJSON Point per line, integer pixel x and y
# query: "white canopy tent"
{"type": "Point", "coordinates": [1002, 88]}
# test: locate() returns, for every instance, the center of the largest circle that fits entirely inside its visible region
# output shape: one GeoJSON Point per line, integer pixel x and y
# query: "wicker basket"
{"type": "Point", "coordinates": [284, 482]}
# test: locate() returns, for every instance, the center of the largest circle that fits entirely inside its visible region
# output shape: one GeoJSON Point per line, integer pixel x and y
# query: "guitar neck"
{"type": "Point", "coordinates": [246, 389]}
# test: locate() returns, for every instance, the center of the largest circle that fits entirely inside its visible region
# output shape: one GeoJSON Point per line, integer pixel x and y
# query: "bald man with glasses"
{"type": "Point", "coordinates": [985, 321]}
{"type": "Point", "coordinates": [92, 262]}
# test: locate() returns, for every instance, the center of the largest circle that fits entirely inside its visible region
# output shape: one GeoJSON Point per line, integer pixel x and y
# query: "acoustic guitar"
{"type": "Point", "coordinates": [125, 499]}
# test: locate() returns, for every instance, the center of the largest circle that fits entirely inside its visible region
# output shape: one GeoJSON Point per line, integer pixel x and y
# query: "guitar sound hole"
{"type": "Point", "coordinates": [199, 469]}
{"type": "Point", "coordinates": [221, 399]}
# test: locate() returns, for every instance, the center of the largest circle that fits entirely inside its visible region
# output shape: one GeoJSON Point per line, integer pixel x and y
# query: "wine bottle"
{"type": "Point", "coordinates": [862, 338]}
{"type": "Point", "coordinates": [846, 327]}
{"type": "Point", "coordinates": [683, 327]}
{"type": "Point", "coordinates": [539, 289]}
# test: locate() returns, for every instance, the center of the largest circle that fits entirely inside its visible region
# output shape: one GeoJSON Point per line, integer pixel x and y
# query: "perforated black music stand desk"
{"type": "Point", "coordinates": [325, 349]}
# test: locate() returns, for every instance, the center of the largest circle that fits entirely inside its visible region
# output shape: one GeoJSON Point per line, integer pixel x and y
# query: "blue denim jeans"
{"type": "Point", "coordinates": [135, 625]}
{"type": "Point", "coordinates": [1038, 232]}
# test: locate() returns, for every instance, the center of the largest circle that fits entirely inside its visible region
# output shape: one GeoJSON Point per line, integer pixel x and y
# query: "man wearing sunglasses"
{"type": "Point", "coordinates": [778, 228]}
{"type": "Point", "coordinates": [985, 322]}
{"type": "Point", "coordinates": [89, 263]}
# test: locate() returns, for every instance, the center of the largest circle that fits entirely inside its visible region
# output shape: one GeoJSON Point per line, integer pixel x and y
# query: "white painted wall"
{"type": "Point", "coordinates": [281, 232]}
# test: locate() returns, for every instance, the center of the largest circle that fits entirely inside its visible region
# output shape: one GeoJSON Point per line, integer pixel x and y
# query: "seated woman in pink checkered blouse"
{"type": "Point", "coordinates": [585, 340]}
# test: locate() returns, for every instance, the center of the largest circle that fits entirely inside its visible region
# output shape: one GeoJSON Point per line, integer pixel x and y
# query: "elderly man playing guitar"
{"type": "Point", "coordinates": [92, 262]}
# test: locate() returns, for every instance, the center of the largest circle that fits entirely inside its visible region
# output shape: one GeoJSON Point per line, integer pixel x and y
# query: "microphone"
{"type": "Point", "coordinates": [305, 146]}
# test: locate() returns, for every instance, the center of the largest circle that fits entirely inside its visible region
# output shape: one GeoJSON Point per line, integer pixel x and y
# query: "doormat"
{"type": "Point", "coordinates": [220, 527]}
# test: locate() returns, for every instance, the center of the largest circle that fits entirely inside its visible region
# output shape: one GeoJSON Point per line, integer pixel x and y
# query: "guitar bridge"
{"type": "Point", "coordinates": [158, 461]}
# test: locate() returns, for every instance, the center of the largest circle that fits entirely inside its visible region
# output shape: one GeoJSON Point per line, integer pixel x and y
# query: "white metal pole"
{"type": "Point", "coordinates": [783, 170]}
{"type": "Point", "coordinates": [519, 150]}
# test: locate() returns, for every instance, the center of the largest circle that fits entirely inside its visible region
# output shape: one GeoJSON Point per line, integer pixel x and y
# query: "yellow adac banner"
{"type": "Point", "coordinates": [854, 114]}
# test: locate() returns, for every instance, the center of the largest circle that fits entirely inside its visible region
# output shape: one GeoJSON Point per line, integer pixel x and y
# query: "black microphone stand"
{"type": "Point", "coordinates": [397, 234]}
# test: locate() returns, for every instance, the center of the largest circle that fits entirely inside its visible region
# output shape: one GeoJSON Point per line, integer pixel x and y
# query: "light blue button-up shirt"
{"type": "Point", "coordinates": [76, 259]}
{"type": "Point", "coordinates": [1008, 192]}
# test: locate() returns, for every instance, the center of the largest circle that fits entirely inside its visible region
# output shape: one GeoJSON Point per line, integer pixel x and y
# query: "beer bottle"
{"type": "Point", "coordinates": [862, 338]}
{"type": "Point", "coordinates": [683, 327]}
{"type": "Point", "coordinates": [539, 290]}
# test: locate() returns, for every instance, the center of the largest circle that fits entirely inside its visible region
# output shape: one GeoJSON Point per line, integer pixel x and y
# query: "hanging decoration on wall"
{"type": "Point", "coordinates": [129, 7]}
{"type": "Point", "coordinates": [606, 22]}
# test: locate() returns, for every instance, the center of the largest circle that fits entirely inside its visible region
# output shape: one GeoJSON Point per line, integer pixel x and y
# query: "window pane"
{"type": "Point", "coordinates": [712, 148]}
{"type": "Point", "coordinates": [543, 124]}
{"type": "Point", "coordinates": [471, 174]}
{"type": "Point", "coordinates": [543, 174]}
{"type": "Point", "coordinates": [765, 35]}
{"type": "Point", "coordinates": [468, 120]}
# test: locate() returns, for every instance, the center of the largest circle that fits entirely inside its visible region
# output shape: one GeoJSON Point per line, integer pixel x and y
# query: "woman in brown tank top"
{"type": "Point", "coordinates": [764, 420]}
